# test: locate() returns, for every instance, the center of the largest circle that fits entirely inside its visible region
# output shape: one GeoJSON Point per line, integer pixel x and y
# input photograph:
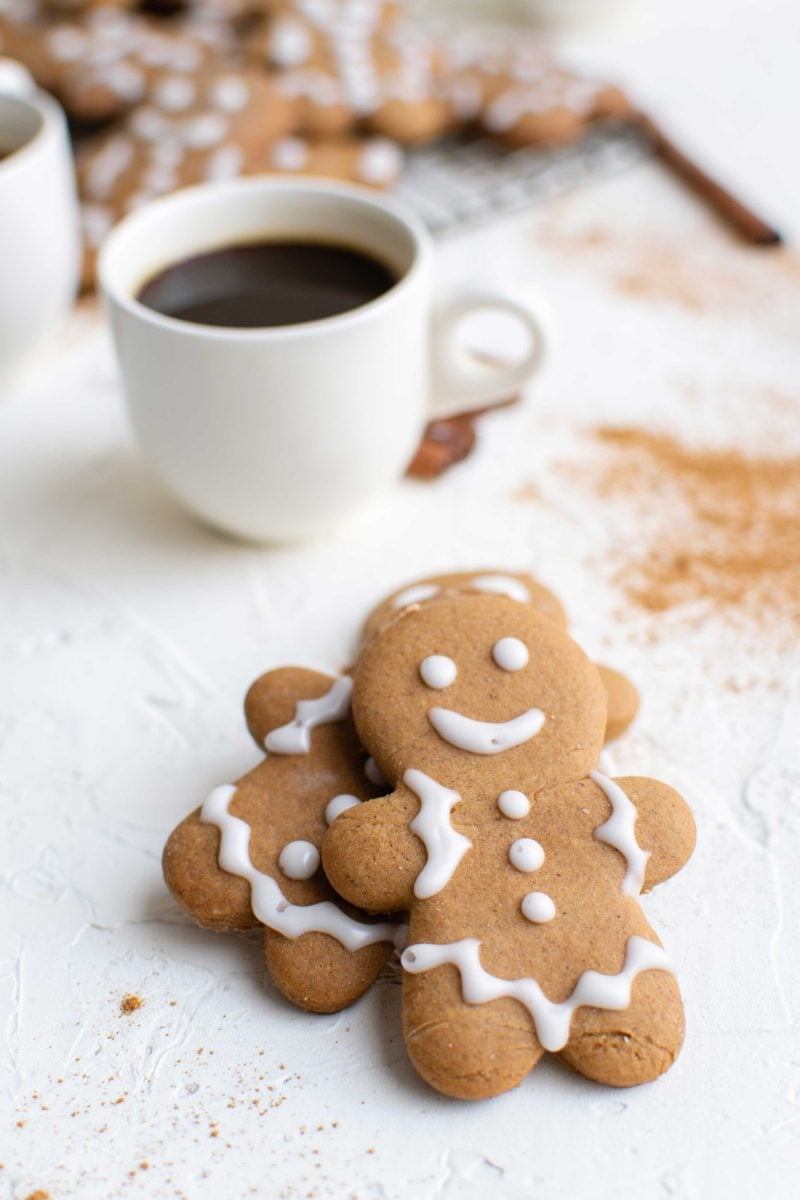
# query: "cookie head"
{"type": "Point", "coordinates": [479, 687]}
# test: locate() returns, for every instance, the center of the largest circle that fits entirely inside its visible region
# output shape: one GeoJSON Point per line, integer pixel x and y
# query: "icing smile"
{"type": "Point", "coordinates": [485, 737]}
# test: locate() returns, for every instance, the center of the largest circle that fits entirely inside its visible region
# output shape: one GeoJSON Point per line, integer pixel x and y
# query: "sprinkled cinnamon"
{"type": "Point", "coordinates": [719, 528]}
{"type": "Point", "coordinates": [129, 1004]}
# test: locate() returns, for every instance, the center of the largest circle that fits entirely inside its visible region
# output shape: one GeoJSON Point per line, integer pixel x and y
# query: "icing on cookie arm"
{"type": "Point", "coordinates": [665, 827]}
{"type": "Point", "coordinates": [372, 857]}
{"type": "Point", "coordinates": [290, 703]}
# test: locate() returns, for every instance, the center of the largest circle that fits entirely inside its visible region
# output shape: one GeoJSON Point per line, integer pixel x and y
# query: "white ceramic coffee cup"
{"type": "Point", "coordinates": [39, 225]}
{"type": "Point", "coordinates": [278, 433]}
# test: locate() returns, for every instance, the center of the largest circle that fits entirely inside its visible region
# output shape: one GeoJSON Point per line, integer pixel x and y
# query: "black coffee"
{"type": "Point", "coordinates": [267, 283]}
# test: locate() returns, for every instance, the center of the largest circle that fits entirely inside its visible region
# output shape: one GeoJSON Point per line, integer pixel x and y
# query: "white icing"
{"type": "Point", "coordinates": [175, 94]}
{"type": "Point", "coordinates": [106, 167]}
{"type": "Point", "coordinates": [125, 80]}
{"type": "Point", "coordinates": [510, 654]}
{"type": "Point", "coordinates": [444, 846]}
{"type": "Point", "coordinates": [148, 124]}
{"type": "Point", "coordinates": [485, 737]}
{"type": "Point", "coordinates": [204, 130]}
{"type": "Point", "coordinates": [230, 94]}
{"type": "Point", "coordinates": [619, 831]}
{"type": "Point", "coordinates": [96, 220]}
{"type": "Point", "coordinates": [268, 902]}
{"type": "Point", "coordinates": [438, 671]}
{"type": "Point", "coordinates": [225, 163]}
{"type": "Point", "coordinates": [299, 860]}
{"type": "Point", "coordinates": [66, 43]}
{"type": "Point", "coordinates": [374, 773]}
{"type": "Point", "coordinates": [502, 585]}
{"type": "Point", "coordinates": [538, 908]}
{"type": "Point", "coordinates": [295, 738]}
{"type": "Point", "coordinates": [338, 805]}
{"type": "Point", "coordinates": [514, 805]}
{"type": "Point", "coordinates": [290, 43]}
{"type": "Point", "coordinates": [526, 855]}
{"type": "Point", "coordinates": [552, 1020]}
{"type": "Point", "coordinates": [381, 161]}
{"type": "Point", "coordinates": [290, 154]}
{"type": "Point", "coordinates": [416, 594]}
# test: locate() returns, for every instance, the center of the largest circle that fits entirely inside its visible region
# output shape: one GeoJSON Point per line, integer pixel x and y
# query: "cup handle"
{"type": "Point", "coordinates": [462, 381]}
{"type": "Point", "coordinates": [15, 80]}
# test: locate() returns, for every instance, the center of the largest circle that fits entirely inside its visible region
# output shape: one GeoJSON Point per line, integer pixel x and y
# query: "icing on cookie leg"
{"type": "Point", "coordinates": [552, 1020]}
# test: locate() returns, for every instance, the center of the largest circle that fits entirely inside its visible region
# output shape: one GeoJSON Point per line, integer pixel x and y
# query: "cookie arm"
{"type": "Point", "coordinates": [208, 894]}
{"type": "Point", "coordinates": [370, 855]}
{"type": "Point", "coordinates": [664, 827]}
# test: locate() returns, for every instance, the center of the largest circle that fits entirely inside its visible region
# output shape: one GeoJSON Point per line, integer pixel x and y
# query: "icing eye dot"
{"type": "Point", "coordinates": [299, 860]}
{"type": "Point", "coordinates": [438, 671]}
{"type": "Point", "coordinates": [538, 908]}
{"type": "Point", "coordinates": [513, 805]}
{"type": "Point", "coordinates": [526, 855]}
{"type": "Point", "coordinates": [336, 806]}
{"type": "Point", "coordinates": [510, 654]}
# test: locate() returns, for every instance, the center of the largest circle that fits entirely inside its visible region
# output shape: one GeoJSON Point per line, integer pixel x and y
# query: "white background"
{"type": "Point", "coordinates": [129, 635]}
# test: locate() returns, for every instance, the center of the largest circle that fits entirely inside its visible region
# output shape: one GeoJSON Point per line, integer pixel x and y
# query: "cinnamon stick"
{"type": "Point", "coordinates": [747, 223]}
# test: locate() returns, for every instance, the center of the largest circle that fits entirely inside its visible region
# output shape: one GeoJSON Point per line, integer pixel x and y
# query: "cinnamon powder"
{"type": "Point", "coordinates": [722, 529]}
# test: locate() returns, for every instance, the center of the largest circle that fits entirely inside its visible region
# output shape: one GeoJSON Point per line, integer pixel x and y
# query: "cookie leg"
{"type": "Point", "coordinates": [317, 973]}
{"type": "Point", "coordinates": [635, 1045]}
{"type": "Point", "coordinates": [470, 1052]}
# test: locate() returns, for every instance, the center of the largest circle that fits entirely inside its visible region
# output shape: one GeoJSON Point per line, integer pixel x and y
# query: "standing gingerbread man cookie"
{"type": "Point", "coordinates": [520, 864]}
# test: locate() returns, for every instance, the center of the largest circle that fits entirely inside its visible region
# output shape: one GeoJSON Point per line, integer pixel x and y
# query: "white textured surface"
{"type": "Point", "coordinates": [128, 637]}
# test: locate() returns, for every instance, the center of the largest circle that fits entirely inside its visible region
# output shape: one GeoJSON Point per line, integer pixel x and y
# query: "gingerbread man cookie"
{"type": "Point", "coordinates": [622, 696]}
{"type": "Point", "coordinates": [250, 856]}
{"type": "Point", "coordinates": [194, 129]}
{"type": "Point", "coordinates": [353, 62]}
{"type": "Point", "coordinates": [520, 864]}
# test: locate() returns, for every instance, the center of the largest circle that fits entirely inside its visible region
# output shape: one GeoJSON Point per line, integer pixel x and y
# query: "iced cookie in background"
{"type": "Point", "coordinates": [520, 864]}
{"type": "Point", "coordinates": [375, 162]}
{"type": "Point", "coordinates": [622, 696]}
{"type": "Point", "coordinates": [511, 84]}
{"type": "Point", "coordinates": [194, 129]}
{"type": "Point", "coordinates": [250, 855]}
{"type": "Point", "coordinates": [101, 62]}
{"type": "Point", "coordinates": [355, 63]}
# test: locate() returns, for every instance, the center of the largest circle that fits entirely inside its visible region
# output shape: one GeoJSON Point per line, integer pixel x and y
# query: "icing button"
{"type": "Point", "coordinates": [525, 854]}
{"type": "Point", "coordinates": [299, 860]}
{"type": "Point", "coordinates": [538, 908]}
{"type": "Point", "coordinates": [513, 805]}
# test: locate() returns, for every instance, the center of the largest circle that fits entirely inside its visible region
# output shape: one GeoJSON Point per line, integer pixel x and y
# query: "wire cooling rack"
{"type": "Point", "coordinates": [457, 184]}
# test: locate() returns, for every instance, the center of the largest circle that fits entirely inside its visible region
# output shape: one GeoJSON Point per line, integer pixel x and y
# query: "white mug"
{"type": "Point", "coordinates": [39, 224]}
{"type": "Point", "coordinates": [278, 433]}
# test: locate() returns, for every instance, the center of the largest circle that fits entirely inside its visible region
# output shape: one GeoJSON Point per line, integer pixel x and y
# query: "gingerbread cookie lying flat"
{"type": "Point", "coordinates": [250, 855]}
{"type": "Point", "coordinates": [622, 697]}
{"type": "Point", "coordinates": [196, 129]}
{"type": "Point", "coordinates": [520, 864]}
{"type": "Point", "coordinates": [347, 62]}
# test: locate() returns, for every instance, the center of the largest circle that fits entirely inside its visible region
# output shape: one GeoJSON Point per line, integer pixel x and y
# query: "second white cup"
{"type": "Point", "coordinates": [278, 433]}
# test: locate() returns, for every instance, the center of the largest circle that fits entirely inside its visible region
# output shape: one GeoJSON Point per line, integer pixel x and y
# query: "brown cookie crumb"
{"type": "Point", "coordinates": [129, 1004]}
